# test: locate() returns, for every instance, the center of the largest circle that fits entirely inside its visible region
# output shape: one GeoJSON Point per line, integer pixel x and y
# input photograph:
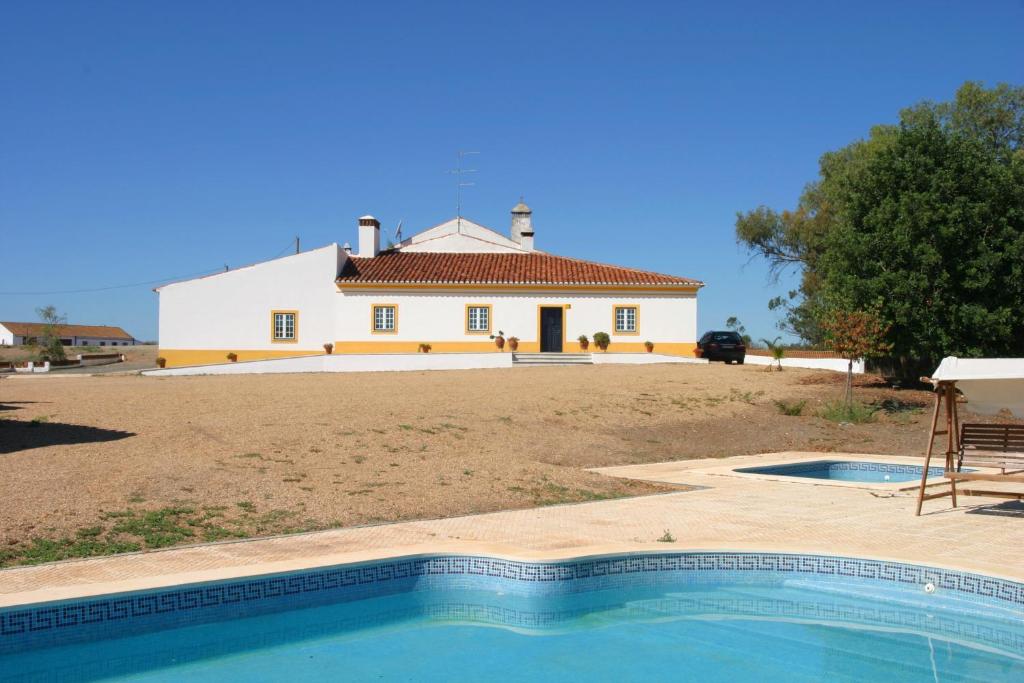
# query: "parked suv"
{"type": "Point", "coordinates": [727, 346]}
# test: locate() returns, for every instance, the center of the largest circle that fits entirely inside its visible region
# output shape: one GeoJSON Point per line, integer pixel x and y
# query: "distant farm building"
{"type": "Point", "coordinates": [14, 334]}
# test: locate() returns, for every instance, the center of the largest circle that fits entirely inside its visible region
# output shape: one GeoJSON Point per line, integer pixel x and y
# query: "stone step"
{"type": "Point", "coordinates": [551, 359]}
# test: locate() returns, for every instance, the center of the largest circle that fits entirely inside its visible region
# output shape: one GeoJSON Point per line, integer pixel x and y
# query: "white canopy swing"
{"type": "Point", "coordinates": [992, 386]}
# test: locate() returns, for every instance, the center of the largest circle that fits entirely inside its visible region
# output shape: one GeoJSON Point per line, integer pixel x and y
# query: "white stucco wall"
{"type": "Point", "coordinates": [232, 310]}
{"type": "Point", "coordinates": [6, 336]}
{"type": "Point", "coordinates": [451, 237]}
{"type": "Point", "coordinates": [423, 317]}
{"type": "Point", "coordinates": [837, 364]}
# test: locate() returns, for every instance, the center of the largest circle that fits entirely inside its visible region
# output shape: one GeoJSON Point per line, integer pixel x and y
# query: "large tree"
{"type": "Point", "coordinates": [922, 222]}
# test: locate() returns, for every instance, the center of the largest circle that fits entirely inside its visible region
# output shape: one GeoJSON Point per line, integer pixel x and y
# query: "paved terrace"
{"type": "Point", "coordinates": [731, 512]}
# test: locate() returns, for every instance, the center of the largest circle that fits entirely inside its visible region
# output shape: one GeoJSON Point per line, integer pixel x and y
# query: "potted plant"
{"type": "Point", "coordinates": [233, 357]}
{"type": "Point", "coordinates": [499, 340]}
{"type": "Point", "coordinates": [649, 345]}
{"type": "Point", "coordinates": [329, 348]}
{"type": "Point", "coordinates": [425, 348]}
{"type": "Point", "coordinates": [513, 343]}
{"type": "Point", "coordinates": [161, 362]}
{"type": "Point", "coordinates": [602, 340]}
{"type": "Point", "coordinates": [584, 342]}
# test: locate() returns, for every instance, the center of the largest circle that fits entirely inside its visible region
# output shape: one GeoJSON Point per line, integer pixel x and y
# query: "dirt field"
{"type": "Point", "coordinates": [92, 465]}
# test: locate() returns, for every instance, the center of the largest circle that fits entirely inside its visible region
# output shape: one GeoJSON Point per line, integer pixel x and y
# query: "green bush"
{"type": "Point", "coordinates": [793, 408]}
{"type": "Point", "coordinates": [602, 340]}
{"type": "Point", "coordinates": [855, 413]}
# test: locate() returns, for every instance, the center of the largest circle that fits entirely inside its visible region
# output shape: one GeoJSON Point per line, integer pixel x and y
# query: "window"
{"type": "Point", "coordinates": [284, 326]}
{"type": "Point", "coordinates": [385, 319]}
{"type": "Point", "coordinates": [478, 318]}
{"type": "Point", "coordinates": [626, 319]}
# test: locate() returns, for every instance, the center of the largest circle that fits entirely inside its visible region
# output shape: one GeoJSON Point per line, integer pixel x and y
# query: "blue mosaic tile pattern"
{"type": "Point", "coordinates": [116, 615]}
{"type": "Point", "coordinates": [842, 466]}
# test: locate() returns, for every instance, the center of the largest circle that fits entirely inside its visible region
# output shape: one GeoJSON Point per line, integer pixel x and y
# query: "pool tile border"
{"type": "Point", "coordinates": [62, 622]}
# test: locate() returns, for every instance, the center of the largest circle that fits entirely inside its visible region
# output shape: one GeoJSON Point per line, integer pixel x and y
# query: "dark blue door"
{"type": "Point", "coordinates": [551, 329]}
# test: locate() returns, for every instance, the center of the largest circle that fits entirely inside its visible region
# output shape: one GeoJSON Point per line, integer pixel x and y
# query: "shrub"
{"type": "Point", "coordinates": [854, 413]}
{"type": "Point", "coordinates": [602, 340]}
{"type": "Point", "coordinates": [667, 537]}
{"type": "Point", "coordinates": [233, 357]}
{"type": "Point", "coordinates": [425, 348]}
{"type": "Point", "coordinates": [584, 342]}
{"type": "Point", "coordinates": [792, 408]}
{"type": "Point", "coordinates": [499, 340]}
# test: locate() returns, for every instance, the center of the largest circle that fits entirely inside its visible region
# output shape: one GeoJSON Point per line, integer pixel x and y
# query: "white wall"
{"type": "Point", "coordinates": [441, 317]}
{"type": "Point", "coordinates": [232, 310]}
{"type": "Point", "coordinates": [350, 363]}
{"type": "Point", "coordinates": [838, 364]}
{"type": "Point", "coordinates": [6, 336]}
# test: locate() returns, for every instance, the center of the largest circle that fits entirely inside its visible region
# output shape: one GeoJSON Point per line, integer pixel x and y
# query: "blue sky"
{"type": "Point", "coordinates": [141, 141]}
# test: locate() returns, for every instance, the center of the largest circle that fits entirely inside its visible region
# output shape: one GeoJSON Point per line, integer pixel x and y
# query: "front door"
{"type": "Point", "coordinates": [551, 329]}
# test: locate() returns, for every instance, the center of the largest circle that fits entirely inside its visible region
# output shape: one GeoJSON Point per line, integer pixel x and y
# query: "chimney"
{"type": "Point", "coordinates": [369, 237]}
{"type": "Point", "coordinates": [522, 225]}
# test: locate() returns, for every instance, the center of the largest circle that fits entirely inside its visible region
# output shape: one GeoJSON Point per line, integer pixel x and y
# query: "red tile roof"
{"type": "Point", "coordinates": [489, 268]}
{"type": "Point", "coordinates": [98, 331]}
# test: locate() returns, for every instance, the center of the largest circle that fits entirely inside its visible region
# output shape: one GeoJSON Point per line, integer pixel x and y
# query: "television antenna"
{"type": "Point", "coordinates": [459, 172]}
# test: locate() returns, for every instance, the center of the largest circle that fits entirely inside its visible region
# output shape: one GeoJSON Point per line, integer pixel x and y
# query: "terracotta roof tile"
{"type": "Point", "coordinates": [101, 331]}
{"type": "Point", "coordinates": [489, 268]}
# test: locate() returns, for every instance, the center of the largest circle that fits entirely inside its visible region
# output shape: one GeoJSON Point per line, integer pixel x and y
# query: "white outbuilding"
{"type": "Point", "coordinates": [455, 287]}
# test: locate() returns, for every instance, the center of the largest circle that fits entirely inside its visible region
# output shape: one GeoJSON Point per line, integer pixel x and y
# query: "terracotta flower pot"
{"type": "Point", "coordinates": [513, 344]}
{"type": "Point", "coordinates": [584, 345]}
{"type": "Point", "coordinates": [500, 343]}
{"type": "Point", "coordinates": [649, 346]}
{"type": "Point", "coordinates": [329, 348]}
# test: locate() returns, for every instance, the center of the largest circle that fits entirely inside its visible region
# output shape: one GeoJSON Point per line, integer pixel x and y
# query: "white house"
{"type": "Point", "coordinates": [13, 334]}
{"type": "Point", "coordinates": [454, 286]}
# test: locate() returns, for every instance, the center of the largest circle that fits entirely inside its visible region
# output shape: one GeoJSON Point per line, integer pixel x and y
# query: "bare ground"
{"type": "Point", "coordinates": [105, 464]}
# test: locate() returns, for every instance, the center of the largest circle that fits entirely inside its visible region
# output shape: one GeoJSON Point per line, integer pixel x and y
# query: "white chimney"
{"type": "Point", "coordinates": [522, 225]}
{"type": "Point", "coordinates": [369, 237]}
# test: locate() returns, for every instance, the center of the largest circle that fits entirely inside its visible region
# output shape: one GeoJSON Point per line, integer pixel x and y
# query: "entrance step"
{"type": "Point", "coordinates": [526, 359]}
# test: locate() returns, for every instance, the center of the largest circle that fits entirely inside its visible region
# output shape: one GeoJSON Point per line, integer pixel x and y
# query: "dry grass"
{"type": "Point", "coordinates": [105, 464]}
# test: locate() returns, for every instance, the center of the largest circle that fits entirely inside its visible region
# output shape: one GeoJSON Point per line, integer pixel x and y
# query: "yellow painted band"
{"type": "Point", "coordinates": [182, 357]}
{"type": "Point", "coordinates": [179, 357]}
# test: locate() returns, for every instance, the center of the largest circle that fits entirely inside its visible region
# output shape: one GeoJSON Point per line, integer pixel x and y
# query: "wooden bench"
{"type": "Point", "coordinates": [994, 446]}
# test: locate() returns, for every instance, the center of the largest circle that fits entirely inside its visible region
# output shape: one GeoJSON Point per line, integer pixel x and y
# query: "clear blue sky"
{"type": "Point", "coordinates": [144, 140]}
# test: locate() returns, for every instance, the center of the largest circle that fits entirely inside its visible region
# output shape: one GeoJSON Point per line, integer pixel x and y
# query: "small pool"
{"type": "Point", "coordinates": [698, 616]}
{"type": "Point", "coordinates": [847, 470]}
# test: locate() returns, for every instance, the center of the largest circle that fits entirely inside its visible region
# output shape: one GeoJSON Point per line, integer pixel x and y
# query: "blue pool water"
{"type": "Point", "coordinates": [717, 619]}
{"type": "Point", "coordinates": [847, 470]}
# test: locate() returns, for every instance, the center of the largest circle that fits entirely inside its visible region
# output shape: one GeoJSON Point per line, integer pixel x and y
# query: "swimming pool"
{"type": "Point", "coordinates": [710, 616]}
{"type": "Point", "coordinates": [846, 470]}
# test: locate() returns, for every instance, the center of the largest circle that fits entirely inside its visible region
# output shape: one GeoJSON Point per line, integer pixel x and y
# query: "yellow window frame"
{"type": "Point", "coordinates": [373, 319]}
{"type": "Point", "coordinates": [615, 319]}
{"type": "Point", "coordinates": [273, 327]}
{"type": "Point", "coordinates": [490, 318]}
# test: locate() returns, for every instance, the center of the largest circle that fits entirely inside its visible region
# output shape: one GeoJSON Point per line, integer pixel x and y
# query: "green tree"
{"type": "Point", "coordinates": [922, 221]}
{"type": "Point", "coordinates": [777, 349]}
{"type": "Point", "coordinates": [48, 341]}
{"type": "Point", "coordinates": [733, 323]}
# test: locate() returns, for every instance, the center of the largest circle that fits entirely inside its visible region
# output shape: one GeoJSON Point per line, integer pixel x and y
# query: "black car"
{"type": "Point", "coordinates": [727, 346]}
